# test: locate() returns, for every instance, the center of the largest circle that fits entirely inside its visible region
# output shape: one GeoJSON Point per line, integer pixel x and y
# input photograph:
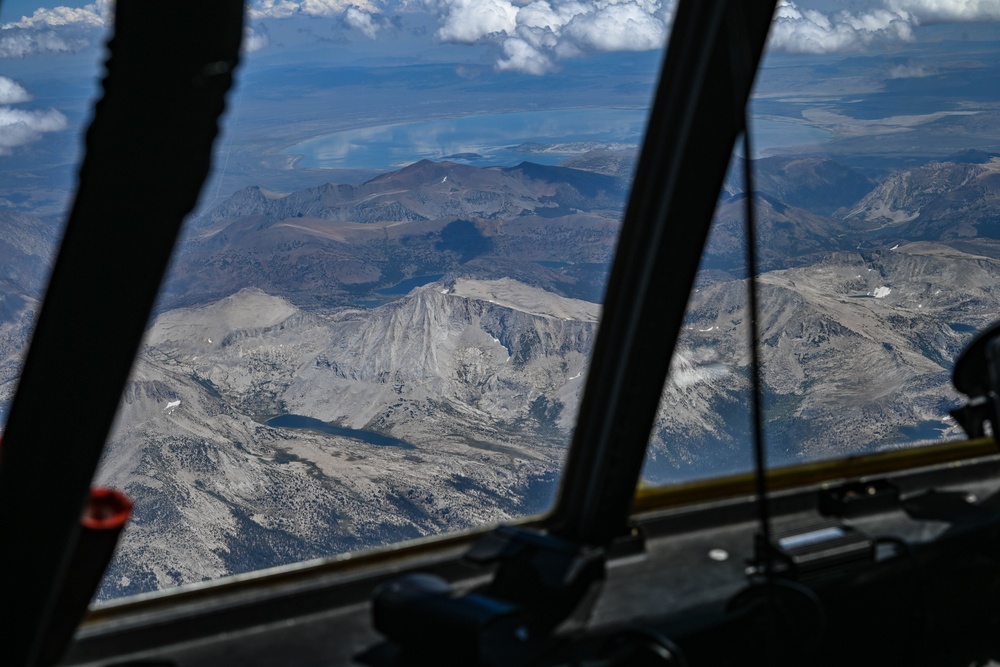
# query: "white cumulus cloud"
{"type": "Point", "coordinates": [273, 9]}
{"type": "Point", "coordinates": [809, 31]}
{"type": "Point", "coordinates": [18, 126]}
{"type": "Point", "coordinates": [93, 15]}
{"type": "Point", "coordinates": [283, 9]}
{"type": "Point", "coordinates": [57, 30]}
{"type": "Point", "coordinates": [255, 38]}
{"type": "Point", "coordinates": [360, 15]}
{"type": "Point", "coordinates": [521, 56]}
{"type": "Point", "coordinates": [361, 20]}
{"type": "Point", "coordinates": [466, 21]}
{"type": "Point", "coordinates": [910, 71]}
{"type": "Point", "coordinates": [331, 7]}
{"type": "Point", "coordinates": [618, 27]}
{"type": "Point", "coordinates": [11, 92]}
{"type": "Point", "coordinates": [18, 43]}
{"type": "Point", "coordinates": [534, 35]}
{"type": "Point", "coordinates": [797, 30]}
{"type": "Point", "coordinates": [930, 11]}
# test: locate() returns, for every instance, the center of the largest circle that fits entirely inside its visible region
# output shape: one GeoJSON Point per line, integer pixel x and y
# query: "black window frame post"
{"type": "Point", "coordinates": [148, 150]}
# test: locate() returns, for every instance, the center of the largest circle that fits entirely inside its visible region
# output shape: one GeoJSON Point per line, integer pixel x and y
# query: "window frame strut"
{"type": "Point", "coordinates": [714, 51]}
{"type": "Point", "coordinates": [148, 151]}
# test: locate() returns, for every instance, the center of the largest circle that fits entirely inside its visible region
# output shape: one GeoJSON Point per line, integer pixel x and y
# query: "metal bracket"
{"type": "Point", "coordinates": [540, 581]}
{"type": "Point", "coordinates": [977, 375]}
{"type": "Point", "coordinates": [815, 547]}
{"type": "Point", "coordinates": [858, 499]}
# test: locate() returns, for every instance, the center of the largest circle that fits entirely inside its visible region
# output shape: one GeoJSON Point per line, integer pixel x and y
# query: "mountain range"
{"type": "Point", "coordinates": [357, 364]}
{"type": "Point", "coordinates": [476, 380]}
{"type": "Point", "coordinates": [27, 245]}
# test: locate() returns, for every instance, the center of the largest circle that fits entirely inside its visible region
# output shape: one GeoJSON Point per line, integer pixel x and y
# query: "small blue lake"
{"type": "Point", "coordinates": [311, 424]}
{"type": "Point", "coordinates": [404, 286]}
{"type": "Point", "coordinates": [505, 139]}
{"type": "Point", "coordinates": [780, 132]}
{"type": "Point", "coordinates": [483, 140]}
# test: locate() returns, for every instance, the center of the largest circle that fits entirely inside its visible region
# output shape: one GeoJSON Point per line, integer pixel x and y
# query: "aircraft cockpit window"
{"type": "Point", "coordinates": [48, 84]}
{"type": "Point", "coordinates": [377, 324]}
{"type": "Point", "coordinates": [875, 162]}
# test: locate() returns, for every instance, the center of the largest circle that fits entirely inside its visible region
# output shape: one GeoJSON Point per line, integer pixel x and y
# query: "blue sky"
{"type": "Point", "coordinates": [546, 49]}
{"type": "Point", "coordinates": [531, 36]}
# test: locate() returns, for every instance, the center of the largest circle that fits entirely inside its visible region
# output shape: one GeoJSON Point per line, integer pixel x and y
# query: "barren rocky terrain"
{"type": "Point", "coordinates": [422, 339]}
{"type": "Point", "coordinates": [476, 416]}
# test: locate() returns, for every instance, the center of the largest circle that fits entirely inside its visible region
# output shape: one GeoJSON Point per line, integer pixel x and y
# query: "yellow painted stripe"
{"type": "Point", "coordinates": [810, 474]}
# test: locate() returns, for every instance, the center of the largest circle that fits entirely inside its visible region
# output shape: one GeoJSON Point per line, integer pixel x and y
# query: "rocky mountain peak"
{"type": "Point", "coordinates": [938, 200]}
{"type": "Point", "coordinates": [426, 173]}
{"type": "Point", "coordinates": [209, 325]}
{"type": "Point", "coordinates": [251, 200]}
{"type": "Point", "coordinates": [813, 182]}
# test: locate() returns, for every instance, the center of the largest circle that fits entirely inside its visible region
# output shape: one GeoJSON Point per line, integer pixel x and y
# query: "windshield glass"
{"type": "Point", "coordinates": [46, 94]}
{"type": "Point", "coordinates": [876, 164]}
{"type": "Point", "coordinates": [377, 324]}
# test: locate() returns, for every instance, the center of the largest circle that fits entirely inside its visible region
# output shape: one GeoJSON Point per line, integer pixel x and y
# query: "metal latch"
{"type": "Point", "coordinates": [815, 547]}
